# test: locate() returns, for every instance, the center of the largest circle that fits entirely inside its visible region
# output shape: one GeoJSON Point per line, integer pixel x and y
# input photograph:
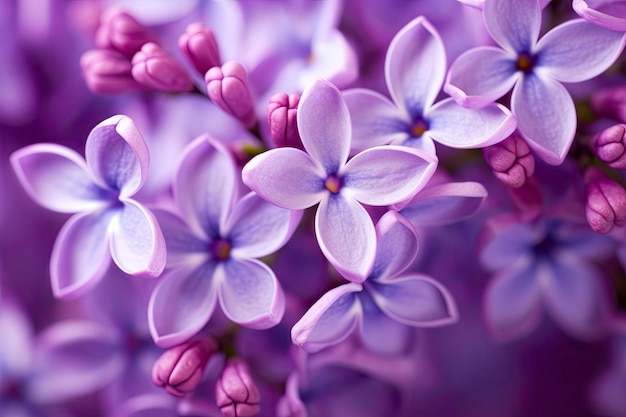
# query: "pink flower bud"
{"type": "Point", "coordinates": [198, 44]}
{"type": "Point", "coordinates": [179, 369]}
{"type": "Point", "coordinates": [228, 89]}
{"type": "Point", "coordinates": [610, 103]}
{"type": "Point", "coordinates": [511, 161]}
{"type": "Point", "coordinates": [606, 201]}
{"type": "Point", "coordinates": [156, 69]}
{"type": "Point", "coordinates": [107, 72]}
{"type": "Point", "coordinates": [609, 146]}
{"type": "Point", "coordinates": [120, 31]}
{"type": "Point", "coordinates": [235, 392]}
{"type": "Point", "coordinates": [281, 117]}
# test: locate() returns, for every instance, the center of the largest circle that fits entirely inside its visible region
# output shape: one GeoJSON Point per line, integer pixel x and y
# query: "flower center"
{"type": "Point", "coordinates": [333, 183]}
{"type": "Point", "coordinates": [220, 249]}
{"type": "Point", "coordinates": [524, 62]}
{"type": "Point", "coordinates": [419, 128]}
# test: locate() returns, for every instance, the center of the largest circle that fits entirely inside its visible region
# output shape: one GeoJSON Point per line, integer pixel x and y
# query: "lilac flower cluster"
{"type": "Point", "coordinates": [324, 208]}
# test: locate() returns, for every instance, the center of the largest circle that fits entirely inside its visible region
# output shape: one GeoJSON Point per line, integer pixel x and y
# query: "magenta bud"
{"type": "Point", "coordinates": [179, 369]}
{"type": "Point", "coordinates": [107, 72]}
{"type": "Point", "coordinates": [281, 117]}
{"type": "Point", "coordinates": [120, 31]}
{"type": "Point", "coordinates": [609, 146]}
{"type": "Point", "coordinates": [236, 393]}
{"type": "Point", "coordinates": [156, 69]}
{"type": "Point", "coordinates": [610, 103]}
{"type": "Point", "coordinates": [198, 44]}
{"type": "Point", "coordinates": [228, 89]}
{"type": "Point", "coordinates": [511, 161]}
{"type": "Point", "coordinates": [606, 201]}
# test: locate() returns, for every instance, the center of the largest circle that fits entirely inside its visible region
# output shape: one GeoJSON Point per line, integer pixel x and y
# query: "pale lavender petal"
{"type": "Point", "coordinates": [333, 58]}
{"type": "Point", "coordinates": [386, 175]}
{"type": "Point", "coordinates": [117, 155]}
{"type": "Point", "coordinates": [609, 14]}
{"type": "Point", "coordinates": [379, 333]}
{"type": "Point", "coordinates": [137, 243]}
{"type": "Point", "coordinates": [576, 298]}
{"type": "Point", "coordinates": [415, 67]}
{"type": "Point", "coordinates": [444, 204]}
{"type": "Point", "coordinates": [182, 304]}
{"type": "Point", "coordinates": [81, 255]}
{"type": "Point", "coordinates": [424, 143]}
{"type": "Point", "coordinates": [184, 248]}
{"type": "Point", "coordinates": [509, 244]}
{"type": "Point", "coordinates": [514, 25]}
{"type": "Point", "coordinates": [463, 128]}
{"type": "Point", "coordinates": [204, 186]}
{"type": "Point", "coordinates": [414, 300]}
{"type": "Point", "coordinates": [346, 235]}
{"type": "Point", "coordinates": [330, 320]}
{"type": "Point", "coordinates": [512, 303]}
{"type": "Point", "coordinates": [480, 76]}
{"type": "Point", "coordinates": [286, 177]}
{"type": "Point", "coordinates": [397, 245]}
{"type": "Point", "coordinates": [250, 294]}
{"type": "Point", "coordinates": [75, 358]}
{"type": "Point", "coordinates": [16, 331]}
{"type": "Point", "coordinates": [546, 117]}
{"type": "Point", "coordinates": [578, 50]}
{"type": "Point", "coordinates": [375, 119]}
{"type": "Point", "coordinates": [324, 125]}
{"type": "Point", "coordinates": [257, 228]}
{"type": "Point", "coordinates": [56, 177]}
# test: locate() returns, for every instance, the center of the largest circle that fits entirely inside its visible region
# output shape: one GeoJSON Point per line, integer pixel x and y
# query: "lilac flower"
{"type": "Point", "coordinates": [380, 176]}
{"type": "Point", "coordinates": [385, 304]}
{"type": "Point", "coordinates": [211, 254]}
{"type": "Point", "coordinates": [109, 223]}
{"type": "Point", "coordinates": [609, 14]}
{"type": "Point", "coordinates": [572, 52]}
{"type": "Point", "coordinates": [415, 67]}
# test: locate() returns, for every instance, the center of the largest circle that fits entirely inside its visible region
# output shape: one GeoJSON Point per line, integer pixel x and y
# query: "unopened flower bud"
{"type": "Point", "coordinates": [610, 103]}
{"type": "Point", "coordinates": [107, 72]}
{"type": "Point", "coordinates": [228, 89]}
{"type": "Point", "coordinates": [281, 117]}
{"type": "Point", "coordinates": [179, 369]}
{"type": "Point", "coordinates": [606, 201]}
{"type": "Point", "coordinates": [156, 69]}
{"type": "Point", "coordinates": [198, 44]}
{"type": "Point", "coordinates": [236, 393]}
{"type": "Point", "coordinates": [511, 161]}
{"type": "Point", "coordinates": [120, 31]}
{"type": "Point", "coordinates": [609, 146]}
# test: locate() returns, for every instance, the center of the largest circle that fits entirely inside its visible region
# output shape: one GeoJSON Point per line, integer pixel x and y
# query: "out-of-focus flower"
{"type": "Point", "coordinates": [121, 32]}
{"type": "Point", "coordinates": [108, 72]}
{"type": "Point", "coordinates": [198, 44]}
{"type": "Point", "coordinates": [236, 393]}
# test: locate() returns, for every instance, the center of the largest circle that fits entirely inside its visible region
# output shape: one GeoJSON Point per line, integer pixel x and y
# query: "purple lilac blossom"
{"type": "Point", "coordinates": [380, 176]}
{"type": "Point", "coordinates": [109, 223]}
{"type": "Point", "coordinates": [534, 68]}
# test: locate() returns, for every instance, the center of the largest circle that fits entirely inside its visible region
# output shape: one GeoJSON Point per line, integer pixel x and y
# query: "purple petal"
{"type": "Point", "coordinates": [183, 247]}
{"type": "Point", "coordinates": [459, 127]}
{"type": "Point", "coordinates": [397, 245]}
{"type": "Point", "coordinates": [512, 304]}
{"type": "Point", "coordinates": [334, 59]}
{"type": "Point", "coordinates": [345, 233]}
{"type": "Point", "coordinates": [375, 120]}
{"type": "Point", "coordinates": [513, 25]}
{"type": "Point", "coordinates": [480, 76]}
{"type": "Point", "coordinates": [330, 320]}
{"type": "Point", "coordinates": [249, 293]}
{"type": "Point", "coordinates": [379, 333]}
{"type": "Point", "coordinates": [444, 204]}
{"type": "Point", "coordinates": [608, 14]}
{"type": "Point", "coordinates": [148, 405]}
{"type": "Point", "coordinates": [578, 50]}
{"type": "Point", "coordinates": [205, 185]}
{"type": "Point", "coordinates": [16, 349]}
{"type": "Point", "coordinates": [117, 155]}
{"type": "Point", "coordinates": [56, 177]}
{"type": "Point", "coordinates": [257, 228]}
{"type": "Point", "coordinates": [182, 304]}
{"type": "Point", "coordinates": [414, 300]}
{"type": "Point", "coordinates": [75, 358]}
{"type": "Point", "coordinates": [386, 175]}
{"type": "Point", "coordinates": [415, 67]}
{"type": "Point", "coordinates": [575, 297]}
{"type": "Point", "coordinates": [508, 244]}
{"type": "Point", "coordinates": [137, 244]}
{"type": "Point", "coordinates": [286, 177]}
{"type": "Point", "coordinates": [546, 117]}
{"type": "Point", "coordinates": [324, 125]}
{"type": "Point", "coordinates": [81, 255]}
